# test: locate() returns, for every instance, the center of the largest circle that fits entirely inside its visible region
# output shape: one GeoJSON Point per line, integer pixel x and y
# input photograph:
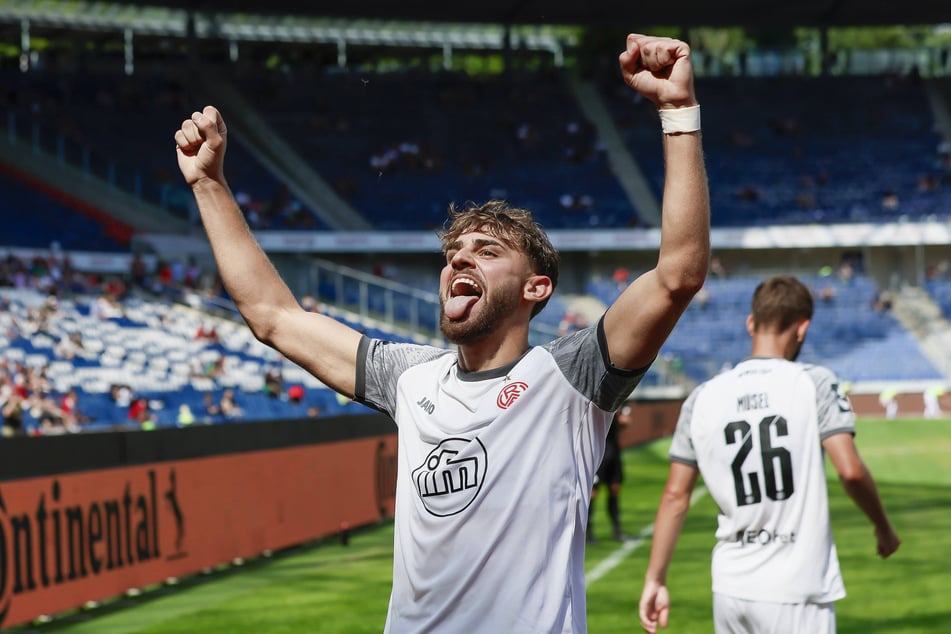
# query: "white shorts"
{"type": "Point", "coordinates": [738, 616]}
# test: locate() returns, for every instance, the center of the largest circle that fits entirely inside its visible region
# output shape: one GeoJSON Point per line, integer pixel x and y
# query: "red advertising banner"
{"type": "Point", "coordinates": [69, 538]}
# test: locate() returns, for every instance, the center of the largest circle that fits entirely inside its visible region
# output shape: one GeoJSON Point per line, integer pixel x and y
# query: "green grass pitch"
{"type": "Point", "coordinates": [328, 587]}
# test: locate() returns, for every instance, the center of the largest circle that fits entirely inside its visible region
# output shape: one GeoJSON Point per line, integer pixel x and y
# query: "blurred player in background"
{"type": "Point", "coordinates": [611, 475]}
{"type": "Point", "coordinates": [498, 441]}
{"type": "Point", "coordinates": [758, 434]}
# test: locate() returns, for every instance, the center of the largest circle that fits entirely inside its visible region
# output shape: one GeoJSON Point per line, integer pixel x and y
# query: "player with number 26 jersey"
{"type": "Point", "coordinates": [755, 432]}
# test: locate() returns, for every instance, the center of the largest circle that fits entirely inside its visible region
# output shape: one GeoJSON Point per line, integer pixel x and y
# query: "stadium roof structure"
{"type": "Point", "coordinates": [759, 13]}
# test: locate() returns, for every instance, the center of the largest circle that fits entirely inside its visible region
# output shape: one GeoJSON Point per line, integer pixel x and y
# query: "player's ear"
{"type": "Point", "coordinates": [537, 288]}
{"type": "Point", "coordinates": [750, 325]}
{"type": "Point", "coordinates": [801, 330]}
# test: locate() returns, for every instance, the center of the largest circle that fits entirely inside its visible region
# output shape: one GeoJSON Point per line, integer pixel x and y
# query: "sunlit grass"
{"type": "Point", "coordinates": [332, 588]}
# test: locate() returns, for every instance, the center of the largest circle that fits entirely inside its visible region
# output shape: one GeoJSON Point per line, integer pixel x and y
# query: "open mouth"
{"type": "Point", "coordinates": [463, 293]}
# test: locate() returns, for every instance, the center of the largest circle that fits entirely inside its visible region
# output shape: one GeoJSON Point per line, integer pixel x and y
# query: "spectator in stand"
{"type": "Point", "coordinates": [192, 274]}
{"type": "Point", "coordinates": [295, 394]}
{"type": "Point", "coordinates": [138, 271]}
{"type": "Point", "coordinates": [37, 381]}
{"type": "Point", "coordinates": [228, 406]}
{"type": "Point", "coordinates": [149, 420]}
{"type": "Point", "coordinates": [116, 288]}
{"type": "Point", "coordinates": [138, 410]}
{"type": "Point", "coordinates": [163, 277]}
{"type": "Point", "coordinates": [196, 368]}
{"type": "Point", "coordinates": [717, 268]}
{"type": "Point", "coordinates": [212, 412]}
{"type": "Point", "coordinates": [621, 277]}
{"type": "Point", "coordinates": [207, 332]}
{"type": "Point", "coordinates": [45, 409]}
{"type": "Point", "coordinates": [178, 273]}
{"type": "Point", "coordinates": [121, 395]}
{"type": "Point", "coordinates": [105, 306]}
{"type": "Point", "coordinates": [571, 322]}
{"type": "Point", "coordinates": [12, 410]}
{"type": "Point", "coordinates": [215, 368]}
{"type": "Point", "coordinates": [69, 407]}
{"type": "Point", "coordinates": [185, 416]}
{"type": "Point", "coordinates": [69, 347]}
{"type": "Point", "coordinates": [882, 302]}
{"type": "Point", "coordinates": [827, 293]}
{"type": "Point", "coordinates": [273, 382]}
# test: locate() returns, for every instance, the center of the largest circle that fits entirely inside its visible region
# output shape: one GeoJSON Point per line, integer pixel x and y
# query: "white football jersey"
{"type": "Point", "coordinates": [755, 433]}
{"type": "Point", "coordinates": [494, 479]}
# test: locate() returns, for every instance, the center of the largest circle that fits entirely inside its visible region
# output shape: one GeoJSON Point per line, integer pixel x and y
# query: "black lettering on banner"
{"type": "Point", "coordinates": [56, 542]}
{"type": "Point", "coordinates": [774, 461]}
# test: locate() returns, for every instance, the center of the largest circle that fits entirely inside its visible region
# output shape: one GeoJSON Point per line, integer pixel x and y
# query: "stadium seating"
{"type": "Point", "coordinates": [401, 146]}
{"type": "Point", "coordinates": [940, 290]}
{"type": "Point", "coordinates": [152, 349]}
{"type": "Point", "coordinates": [53, 222]}
{"type": "Point", "coordinates": [848, 334]}
{"type": "Point", "coordinates": [120, 130]}
{"type": "Point", "coordinates": [790, 150]}
{"type": "Point", "coordinates": [156, 350]}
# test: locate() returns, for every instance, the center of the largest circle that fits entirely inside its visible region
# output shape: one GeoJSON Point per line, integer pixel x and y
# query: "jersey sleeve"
{"type": "Point", "coordinates": [681, 446]}
{"type": "Point", "coordinates": [583, 359]}
{"type": "Point", "coordinates": [832, 405]}
{"type": "Point", "coordinates": [379, 367]}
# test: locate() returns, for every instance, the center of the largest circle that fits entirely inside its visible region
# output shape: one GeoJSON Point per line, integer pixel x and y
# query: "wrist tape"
{"type": "Point", "coordinates": [677, 120]}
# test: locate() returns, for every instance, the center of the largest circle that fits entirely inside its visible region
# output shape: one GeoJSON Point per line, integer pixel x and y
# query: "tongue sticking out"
{"type": "Point", "coordinates": [456, 307]}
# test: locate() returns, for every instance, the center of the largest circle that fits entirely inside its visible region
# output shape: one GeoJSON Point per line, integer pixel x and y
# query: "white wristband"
{"type": "Point", "coordinates": [676, 120]}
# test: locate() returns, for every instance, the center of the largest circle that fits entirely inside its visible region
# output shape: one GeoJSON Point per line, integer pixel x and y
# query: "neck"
{"type": "Point", "coordinates": [491, 353]}
{"type": "Point", "coordinates": [778, 345]}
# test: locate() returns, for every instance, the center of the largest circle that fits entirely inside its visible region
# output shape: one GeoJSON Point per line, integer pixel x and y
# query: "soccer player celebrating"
{"type": "Point", "coordinates": [498, 441]}
{"type": "Point", "coordinates": [757, 434]}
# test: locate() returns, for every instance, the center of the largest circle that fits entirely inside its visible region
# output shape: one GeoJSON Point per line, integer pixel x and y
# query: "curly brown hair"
{"type": "Point", "coordinates": [516, 227]}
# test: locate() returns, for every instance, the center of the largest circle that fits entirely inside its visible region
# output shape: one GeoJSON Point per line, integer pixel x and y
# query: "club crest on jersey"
{"type": "Point", "coordinates": [509, 393]}
{"type": "Point", "coordinates": [451, 476]}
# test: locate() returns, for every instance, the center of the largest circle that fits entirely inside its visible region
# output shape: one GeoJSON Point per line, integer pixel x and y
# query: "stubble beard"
{"type": "Point", "coordinates": [475, 328]}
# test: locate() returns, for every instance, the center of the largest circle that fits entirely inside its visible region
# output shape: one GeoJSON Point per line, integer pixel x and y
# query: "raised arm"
{"type": "Point", "coordinates": [654, 606]}
{"type": "Point", "coordinates": [860, 486]}
{"type": "Point", "coordinates": [319, 344]}
{"type": "Point", "coordinates": [639, 321]}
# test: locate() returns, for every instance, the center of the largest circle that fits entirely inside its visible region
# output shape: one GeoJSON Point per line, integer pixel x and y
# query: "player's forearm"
{"type": "Point", "coordinates": [247, 274]}
{"type": "Point", "coordinates": [685, 224]}
{"type": "Point", "coordinates": [864, 493]}
{"type": "Point", "coordinates": [667, 526]}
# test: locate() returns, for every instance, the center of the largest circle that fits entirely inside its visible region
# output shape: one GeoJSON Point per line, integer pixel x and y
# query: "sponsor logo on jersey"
{"type": "Point", "coordinates": [426, 405]}
{"type": "Point", "coordinates": [509, 393]}
{"type": "Point", "coordinates": [451, 476]}
{"type": "Point", "coordinates": [841, 397]}
{"type": "Point", "coordinates": [764, 537]}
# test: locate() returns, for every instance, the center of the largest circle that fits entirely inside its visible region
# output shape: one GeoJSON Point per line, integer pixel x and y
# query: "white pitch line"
{"type": "Point", "coordinates": [610, 562]}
